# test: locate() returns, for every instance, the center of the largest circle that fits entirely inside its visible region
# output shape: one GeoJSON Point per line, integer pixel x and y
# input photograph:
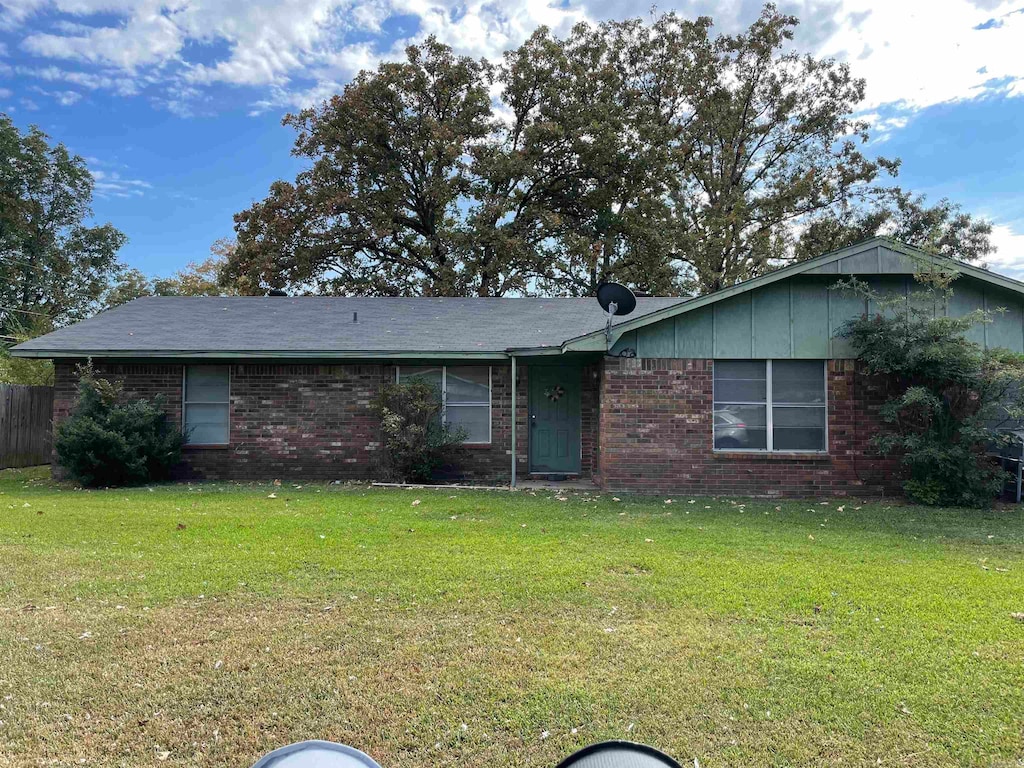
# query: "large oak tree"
{"type": "Point", "coordinates": [54, 265]}
{"type": "Point", "coordinates": [381, 208]}
{"type": "Point", "coordinates": [658, 154]}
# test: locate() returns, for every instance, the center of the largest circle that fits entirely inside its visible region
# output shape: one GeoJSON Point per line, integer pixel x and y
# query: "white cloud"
{"type": "Point", "coordinates": [914, 53]}
{"type": "Point", "coordinates": [882, 128]}
{"type": "Point", "coordinates": [63, 98]}
{"type": "Point", "coordinates": [1009, 255]}
{"type": "Point", "coordinates": [148, 37]}
{"type": "Point", "coordinates": [121, 85]}
{"type": "Point", "coordinates": [112, 184]}
{"type": "Point", "coordinates": [66, 98]}
{"type": "Point", "coordinates": [922, 52]}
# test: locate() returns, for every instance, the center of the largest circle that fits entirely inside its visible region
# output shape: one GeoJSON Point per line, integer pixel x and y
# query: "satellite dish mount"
{"type": "Point", "coordinates": [615, 299]}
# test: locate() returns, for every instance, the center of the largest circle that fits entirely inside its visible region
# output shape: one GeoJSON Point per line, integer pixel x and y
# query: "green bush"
{"type": "Point", "coordinates": [415, 441]}
{"type": "Point", "coordinates": [947, 394]}
{"type": "Point", "coordinates": [20, 370]}
{"type": "Point", "coordinates": [107, 442]}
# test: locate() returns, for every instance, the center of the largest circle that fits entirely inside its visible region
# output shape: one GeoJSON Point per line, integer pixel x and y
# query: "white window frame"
{"type": "Point", "coordinates": [185, 403]}
{"type": "Point", "coordinates": [769, 406]}
{"type": "Point", "coordinates": [444, 397]}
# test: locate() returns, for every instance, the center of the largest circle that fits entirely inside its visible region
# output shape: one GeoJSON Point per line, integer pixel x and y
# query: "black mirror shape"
{"type": "Point", "coordinates": [618, 754]}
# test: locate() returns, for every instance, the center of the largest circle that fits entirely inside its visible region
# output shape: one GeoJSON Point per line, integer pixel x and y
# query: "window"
{"type": "Point", "coordinates": [206, 404]}
{"type": "Point", "coordinates": [770, 405]}
{"type": "Point", "coordinates": [465, 396]}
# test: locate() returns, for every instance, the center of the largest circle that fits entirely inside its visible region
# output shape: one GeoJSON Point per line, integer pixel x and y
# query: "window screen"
{"type": "Point", "coordinates": [465, 392]}
{"type": "Point", "coordinates": [798, 405]}
{"type": "Point", "coordinates": [770, 405]}
{"type": "Point", "coordinates": [741, 404]}
{"type": "Point", "coordinates": [206, 404]}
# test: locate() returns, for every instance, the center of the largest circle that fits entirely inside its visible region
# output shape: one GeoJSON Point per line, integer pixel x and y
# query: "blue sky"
{"type": "Point", "coordinates": [177, 104]}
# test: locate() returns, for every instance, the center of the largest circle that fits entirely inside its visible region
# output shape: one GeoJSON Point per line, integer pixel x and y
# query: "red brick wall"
{"type": "Point", "coordinates": [656, 436]}
{"type": "Point", "coordinates": [298, 421]}
{"type": "Point", "coordinates": [590, 419]}
{"type": "Point", "coordinates": [651, 433]}
{"type": "Point", "coordinates": [306, 421]}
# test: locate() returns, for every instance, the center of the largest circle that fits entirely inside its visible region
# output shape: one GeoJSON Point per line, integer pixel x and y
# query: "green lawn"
{"type": "Point", "coordinates": [206, 625]}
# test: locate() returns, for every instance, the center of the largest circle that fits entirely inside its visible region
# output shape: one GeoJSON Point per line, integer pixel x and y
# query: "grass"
{"type": "Point", "coordinates": [206, 625]}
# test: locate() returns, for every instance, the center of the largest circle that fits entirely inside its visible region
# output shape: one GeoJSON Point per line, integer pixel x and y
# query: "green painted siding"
{"type": "Point", "coordinates": [771, 337]}
{"type": "Point", "coordinates": [1006, 329]}
{"type": "Point", "coordinates": [800, 317]}
{"type": "Point", "coordinates": [694, 333]}
{"type": "Point", "coordinates": [843, 306]}
{"type": "Point", "coordinates": [809, 321]}
{"type": "Point", "coordinates": [733, 328]}
{"type": "Point", "coordinates": [968, 296]}
{"type": "Point", "coordinates": [658, 340]}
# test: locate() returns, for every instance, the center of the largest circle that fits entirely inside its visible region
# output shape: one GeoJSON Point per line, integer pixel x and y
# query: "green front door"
{"type": "Point", "coordinates": [554, 419]}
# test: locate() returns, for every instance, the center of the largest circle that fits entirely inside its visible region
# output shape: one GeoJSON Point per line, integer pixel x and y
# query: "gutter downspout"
{"type": "Point", "coordinates": [513, 483]}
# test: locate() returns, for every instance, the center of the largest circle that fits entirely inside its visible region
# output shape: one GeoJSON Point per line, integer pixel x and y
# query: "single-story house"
{"type": "Point", "coordinates": [748, 390]}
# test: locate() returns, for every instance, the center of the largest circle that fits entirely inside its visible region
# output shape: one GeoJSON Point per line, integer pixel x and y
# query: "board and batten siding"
{"type": "Point", "coordinates": [798, 318]}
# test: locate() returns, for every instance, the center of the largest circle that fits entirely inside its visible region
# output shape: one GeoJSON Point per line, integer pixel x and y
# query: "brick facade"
{"type": "Point", "coordinates": [287, 421]}
{"type": "Point", "coordinates": [646, 426]}
{"type": "Point", "coordinates": [314, 422]}
{"type": "Point", "coordinates": [656, 436]}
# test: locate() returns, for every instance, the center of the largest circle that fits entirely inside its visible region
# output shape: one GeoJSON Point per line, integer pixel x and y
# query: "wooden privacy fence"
{"type": "Point", "coordinates": [26, 417]}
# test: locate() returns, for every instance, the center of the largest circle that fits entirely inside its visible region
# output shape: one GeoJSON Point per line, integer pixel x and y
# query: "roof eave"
{"type": "Point", "coordinates": [178, 354]}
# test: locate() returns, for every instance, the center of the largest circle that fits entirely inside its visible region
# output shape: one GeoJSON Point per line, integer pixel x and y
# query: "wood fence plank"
{"type": "Point", "coordinates": [26, 425]}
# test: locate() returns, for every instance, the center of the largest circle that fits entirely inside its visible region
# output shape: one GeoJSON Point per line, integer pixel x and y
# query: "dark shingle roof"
{"type": "Point", "coordinates": [308, 325]}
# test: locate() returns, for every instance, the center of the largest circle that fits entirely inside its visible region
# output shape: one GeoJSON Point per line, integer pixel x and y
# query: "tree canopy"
{"type": "Point", "coordinates": [657, 154]}
{"type": "Point", "coordinates": [196, 279]}
{"type": "Point", "coordinates": [54, 266]}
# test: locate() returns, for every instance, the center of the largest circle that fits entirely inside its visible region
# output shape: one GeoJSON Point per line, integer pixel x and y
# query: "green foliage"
{"type": "Point", "coordinates": [656, 154]}
{"type": "Point", "coordinates": [107, 442]}
{"type": "Point", "coordinates": [948, 394]}
{"type": "Point", "coordinates": [416, 442]}
{"type": "Point", "coordinates": [943, 228]}
{"type": "Point", "coordinates": [53, 265]}
{"type": "Point", "coordinates": [20, 370]}
{"type": "Point", "coordinates": [196, 279]}
{"type": "Point", "coordinates": [378, 210]}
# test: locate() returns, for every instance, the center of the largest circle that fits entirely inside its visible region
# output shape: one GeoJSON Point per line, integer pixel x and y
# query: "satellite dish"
{"type": "Point", "coordinates": [316, 754]}
{"type": "Point", "coordinates": [618, 754]}
{"type": "Point", "coordinates": [615, 299]}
